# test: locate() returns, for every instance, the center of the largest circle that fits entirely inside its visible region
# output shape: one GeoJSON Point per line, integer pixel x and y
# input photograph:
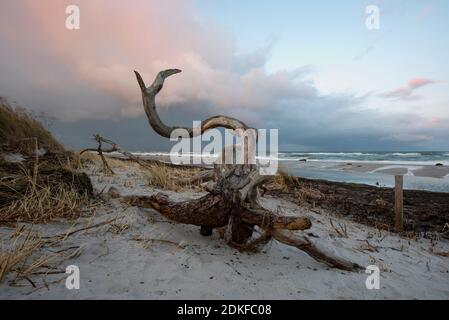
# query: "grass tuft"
{"type": "Point", "coordinates": [19, 130]}
{"type": "Point", "coordinates": [158, 175]}
{"type": "Point", "coordinates": [284, 180]}
{"type": "Point", "coordinates": [168, 177]}
{"type": "Point", "coordinates": [44, 184]}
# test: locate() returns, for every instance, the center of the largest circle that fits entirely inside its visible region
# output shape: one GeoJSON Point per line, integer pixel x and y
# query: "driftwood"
{"type": "Point", "coordinates": [100, 151]}
{"type": "Point", "coordinates": [204, 175]}
{"type": "Point", "coordinates": [232, 203]}
{"type": "Point", "coordinates": [114, 148]}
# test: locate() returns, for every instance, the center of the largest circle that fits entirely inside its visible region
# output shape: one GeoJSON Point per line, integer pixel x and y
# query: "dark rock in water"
{"type": "Point", "coordinates": [349, 164]}
{"type": "Point", "coordinates": [303, 160]}
{"type": "Point", "coordinates": [439, 164]}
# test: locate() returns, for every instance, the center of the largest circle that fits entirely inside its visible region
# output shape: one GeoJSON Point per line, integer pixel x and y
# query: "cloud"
{"type": "Point", "coordinates": [406, 92]}
{"type": "Point", "coordinates": [87, 73]}
{"type": "Point", "coordinates": [409, 138]}
{"type": "Point", "coordinates": [84, 78]}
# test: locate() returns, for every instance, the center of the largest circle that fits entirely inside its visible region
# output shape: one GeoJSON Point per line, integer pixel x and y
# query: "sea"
{"type": "Point", "coordinates": [325, 166]}
{"type": "Point", "coordinates": [412, 158]}
{"type": "Point", "coordinates": [321, 165]}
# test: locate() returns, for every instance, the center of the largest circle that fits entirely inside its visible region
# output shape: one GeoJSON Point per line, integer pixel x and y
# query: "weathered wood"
{"type": "Point", "coordinates": [232, 201]}
{"type": "Point", "coordinates": [398, 203]}
{"type": "Point", "coordinates": [149, 104]}
{"type": "Point", "coordinates": [106, 166]}
{"type": "Point", "coordinates": [209, 210]}
{"type": "Point", "coordinates": [311, 249]}
{"type": "Point", "coordinates": [115, 148]}
{"type": "Point", "coordinates": [212, 211]}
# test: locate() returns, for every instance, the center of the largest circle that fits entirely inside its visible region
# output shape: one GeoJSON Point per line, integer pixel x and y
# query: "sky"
{"type": "Point", "coordinates": [311, 69]}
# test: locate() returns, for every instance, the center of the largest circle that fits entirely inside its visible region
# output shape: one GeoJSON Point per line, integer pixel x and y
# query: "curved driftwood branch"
{"type": "Point", "coordinates": [149, 104]}
{"type": "Point", "coordinates": [232, 202]}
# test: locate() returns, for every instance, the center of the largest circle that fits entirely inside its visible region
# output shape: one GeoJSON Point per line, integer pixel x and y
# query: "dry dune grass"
{"type": "Point", "coordinates": [41, 187]}
{"type": "Point", "coordinates": [43, 203]}
{"type": "Point", "coordinates": [24, 254]}
{"type": "Point", "coordinates": [115, 163]}
{"type": "Point", "coordinates": [284, 181]}
{"type": "Point", "coordinates": [169, 178]}
{"type": "Point", "coordinates": [27, 255]}
{"type": "Point", "coordinates": [19, 130]}
{"type": "Point", "coordinates": [22, 246]}
{"type": "Point", "coordinates": [45, 184]}
{"type": "Point", "coordinates": [305, 195]}
{"type": "Point", "coordinates": [158, 175]}
{"type": "Point", "coordinates": [41, 193]}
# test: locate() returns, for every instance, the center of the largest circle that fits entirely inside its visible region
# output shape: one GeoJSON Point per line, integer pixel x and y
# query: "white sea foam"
{"type": "Point", "coordinates": [326, 153]}
{"type": "Point", "coordinates": [281, 158]}
{"type": "Point", "coordinates": [410, 169]}
{"type": "Point", "coordinates": [407, 154]}
{"type": "Point", "coordinates": [395, 162]}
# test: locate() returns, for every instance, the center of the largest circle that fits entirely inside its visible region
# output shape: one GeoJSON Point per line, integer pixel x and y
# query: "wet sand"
{"type": "Point", "coordinates": [428, 171]}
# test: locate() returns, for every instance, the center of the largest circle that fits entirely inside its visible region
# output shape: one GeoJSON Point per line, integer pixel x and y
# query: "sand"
{"type": "Point", "coordinates": [113, 265]}
{"type": "Point", "coordinates": [429, 171]}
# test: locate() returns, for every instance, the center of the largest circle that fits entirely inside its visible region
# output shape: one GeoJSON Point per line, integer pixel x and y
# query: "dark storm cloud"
{"type": "Point", "coordinates": [84, 78]}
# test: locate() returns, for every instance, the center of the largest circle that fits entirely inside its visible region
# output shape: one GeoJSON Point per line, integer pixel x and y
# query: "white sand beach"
{"type": "Point", "coordinates": [141, 255]}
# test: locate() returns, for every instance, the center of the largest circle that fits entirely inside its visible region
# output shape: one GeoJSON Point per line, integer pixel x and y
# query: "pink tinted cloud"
{"type": "Point", "coordinates": [117, 37]}
{"type": "Point", "coordinates": [406, 92]}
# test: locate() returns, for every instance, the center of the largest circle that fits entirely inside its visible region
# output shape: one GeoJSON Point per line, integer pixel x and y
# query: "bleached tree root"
{"type": "Point", "coordinates": [232, 203]}
{"type": "Point", "coordinates": [303, 243]}
{"type": "Point", "coordinates": [212, 211]}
